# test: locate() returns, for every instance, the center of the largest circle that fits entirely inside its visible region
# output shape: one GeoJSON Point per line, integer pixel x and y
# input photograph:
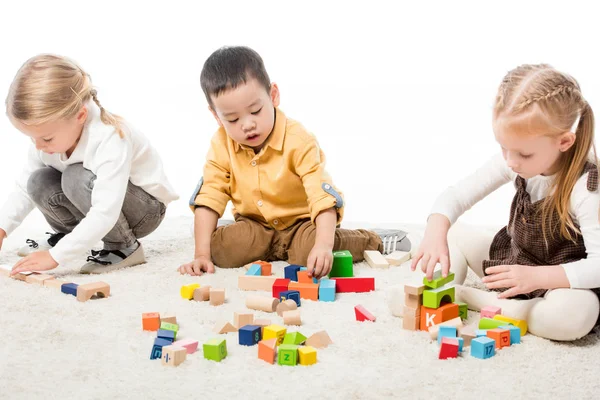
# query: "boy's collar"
{"type": "Point", "coordinates": [275, 139]}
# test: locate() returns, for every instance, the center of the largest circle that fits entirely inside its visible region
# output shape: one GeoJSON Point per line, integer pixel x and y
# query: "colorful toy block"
{"type": "Point", "coordinates": [304, 278]}
{"type": "Point", "coordinates": [287, 355]}
{"type": "Point", "coordinates": [290, 295]}
{"type": "Point", "coordinates": [354, 285]}
{"type": "Point", "coordinates": [265, 268]}
{"type": "Point", "coordinates": [461, 342]}
{"type": "Point", "coordinates": [166, 335]}
{"type": "Point", "coordinates": [307, 355]}
{"type": "Point", "coordinates": [291, 272]}
{"type": "Point", "coordinates": [463, 311]}
{"type": "Point", "coordinates": [435, 316]}
{"type": "Point", "coordinates": [490, 311]}
{"type": "Point", "coordinates": [202, 293]}
{"type": "Point", "coordinates": [69, 288]}
{"type": "Point", "coordinates": [216, 297]}
{"type": "Point", "coordinates": [411, 323]}
{"type": "Point", "coordinates": [481, 332]}
{"type": "Point", "coordinates": [249, 335]}
{"type": "Point", "coordinates": [292, 317]}
{"type": "Point", "coordinates": [343, 266]}
{"type": "Point", "coordinates": [215, 349]}
{"type": "Point", "coordinates": [319, 340]}
{"type": "Point", "coordinates": [262, 322]}
{"type": "Point", "coordinates": [455, 322]}
{"type": "Point", "coordinates": [224, 327]}
{"type": "Point", "coordinates": [375, 259]}
{"type": "Point", "coordinates": [414, 289]}
{"type": "Point", "coordinates": [362, 314]}
{"type": "Point", "coordinates": [169, 326]}
{"type": "Point", "coordinates": [274, 332]}
{"type": "Point", "coordinates": [170, 318]}
{"type": "Point", "coordinates": [151, 321]}
{"type": "Point", "coordinates": [327, 289]}
{"type": "Point", "coordinates": [411, 312]}
{"type": "Point", "coordinates": [38, 279]}
{"type": "Point", "coordinates": [157, 348]}
{"type": "Point", "coordinates": [467, 334]}
{"type": "Point", "coordinates": [309, 291]}
{"type": "Point", "coordinates": [488, 323]}
{"type": "Point", "coordinates": [500, 336]}
{"type": "Point", "coordinates": [187, 291]}
{"type": "Point", "coordinates": [294, 338]}
{"type": "Point", "coordinates": [397, 257]}
{"type": "Point", "coordinates": [438, 281]}
{"type": "Point", "coordinates": [413, 300]}
{"type": "Point", "coordinates": [247, 282]}
{"type": "Point", "coordinates": [189, 345]}
{"type": "Point", "coordinates": [287, 305]}
{"type": "Point", "coordinates": [448, 348]}
{"type": "Point", "coordinates": [516, 322]}
{"type": "Point", "coordinates": [515, 333]}
{"type": "Point", "coordinates": [433, 298]}
{"type": "Point", "coordinates": [267, 350]}
{"type": "Point", "coordinates": [241, 319]}
{"type": "Point", "coordinates": [87, 291]}
{"type": "Point", "coordinates": [260, 303]}
{"type": "Point", "coordinates": [280, 285]}
{"type": "Point", "coordinates": [446, 331]}
{"type": "Point", "coordinates": [254, 270]}
{"type": "Point", "coordinates": [173, 355]}
{"type": "Point", "coordinates": [483, 347]}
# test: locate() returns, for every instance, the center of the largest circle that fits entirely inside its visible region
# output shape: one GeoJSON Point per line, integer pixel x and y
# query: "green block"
{"type": "Point", "coordinates": [342, 265]}
{"type": "Point", "coordinates": [489, 323]}
{"type": "Point", "coordinates": [169, 326]}
{"type": "Point", "coordinates": [215, 349]}
{"type": "Point", "coordinates": [288, 354]}
{"type": "Point", "coordinates": [462, 310]}
{"type": "Point", "coordinates": [294, 338]}
{"type": "Point", "coordinates": [432, 298]}
{"type": "Point", "coordinates": [437, 280]}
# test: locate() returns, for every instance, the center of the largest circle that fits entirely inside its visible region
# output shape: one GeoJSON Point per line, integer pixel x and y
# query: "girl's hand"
{"type": "Point", "coordinates": [518, 279]}
{"type": "Point", "coordinates": [197, 267]}
{"type": "Point", "coordinates": [38, 261]}
{"type": "Point", "coordinates": [320, 261]}
{"type": "Point", "coordinates": [434, 247]}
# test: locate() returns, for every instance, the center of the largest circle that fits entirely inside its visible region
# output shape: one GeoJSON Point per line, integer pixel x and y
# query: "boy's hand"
{"type": "Point", "coordinates": [320, 261]}
{"type": "Point", "coordinates": [197, 267]}
{"type": "Point", "coordinates": [38, 261]}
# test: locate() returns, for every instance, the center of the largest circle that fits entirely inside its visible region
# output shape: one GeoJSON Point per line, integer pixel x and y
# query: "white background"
{"type": "Point", "coordinates": [399, 95]}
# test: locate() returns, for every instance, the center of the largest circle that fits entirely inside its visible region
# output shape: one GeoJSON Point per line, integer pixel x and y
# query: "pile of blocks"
{"type": "Point", "coordinates": [83, 292]}
{"type": "Point", "coordinates": [194, 291]}
{"type": "Point", "coordinates": [171, 352]}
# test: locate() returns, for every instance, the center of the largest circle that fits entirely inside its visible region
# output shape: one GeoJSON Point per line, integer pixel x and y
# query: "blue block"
{"type": "Point", "coordinates": [165, 334]}
{"type": "Point", "coordinates": [481, 332]}
{"type": "Point", "coordinates": [255, 270]}
{"type": "Point", "coordinates": [290, 295]}
{"type": "Point", "coordinates": [515, 333]}
{"type": "Point", "coordinates": [461, 342]}
{"type": "Point", "coordinates": [157, 348]}
{"type": "Point", "coordinates": [327, 290]}
{"type": "Point", "coordinates": [69, 288]}
{"type": "Point", "coordinates": [483, 347]}
{"type": "Point", "coordinates": [250, 335]}
{"type": "Point", "coordinates": [291, 272]}
{"type": "Point", "coordinates": [446, 331]}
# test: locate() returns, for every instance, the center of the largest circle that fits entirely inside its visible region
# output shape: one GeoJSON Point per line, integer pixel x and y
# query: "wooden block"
{"type": "Point", "coordinates": [69, 288]}
{"type": "Point", "coordinates": [189, 345]}
{"type": "Point", "coordinates": [262, 322]}
{"type": "Point", "coordinates": [490, 311]}
{"type": "Point", "coordinates": [249, 335]}
{"type": "Point", "coordinates": [287, 305]}
{"type": "Point", "coordinates": [217, 297]}
{"type": "Point", "coordinates": [169, 326]}
{"type": "Point", "coordinates": [291, 272]}
{"type": "Point", "coordinates": [287, 355]}
{"type": "Point", "coordinates": [150, 321]}
{"type": "Point", "coordinates": [256, 282]}
{"type": "Point", "coordinates": [411, 324]}
{"type": "Point", "coordinates": [320, 340]}
{"type": "Point", "coordinates": [241, 319]}
{"type": "Point", "coordinates": [307, 355]}
{"type": "Point", "coordinates": [433, 298]}
{"type": "Point", "coordinates": [455, 322]}
{"type": "Point", "coordinates": [215, 349]}
{"type": "Point", "coordinates": [22, 276]}
{"type": "Point", "coordinates": [438, 280]}
{"type": "Point", "coordinates": [468, 334]}
{"type": "Point", "coordinates": [397, 257]}
{"type": "Point", "coordinates": [343, 265]}
{"type": "Point", "coordinates": [414, 289]}
{"type": "Point", "coordinates": [54, 283]}
{"type": "Point", "coordinates": [89, 290]}
{"type": "Point", "coordinates": [362, 314]}
{"type": "Point", "coordinates": [446, 331]}
{"type": "Point", "coordinates": [187, 291]}
{"type": "Point", "coordinates": [308, 291]}
{"type": "Point", "coordinates": [448, 348]}
{"type": "Point", "coordinates": [173, 355]}
{"type": "Point", "coordinates": [303, 277]}
{"type": "Point", "coordinates": [354, 285]}
{"type": "Point", "coordinates": [292, 317]}
{"type": "Point", "coordinates": [516, 322]}
{"type": "Point", "coordinates": [327, 289]}
{"type": "Point", "coordinates": [202, 293]}
{"type": "Point", "coordinates": [265, 268]}
{"type": "Point", "coordinates": [224, 327]}
{"type": "Point", "coordinates": [290, 295]}
{"type": "Point", "coordinates": [170, 318]}
{"type": "Point", "coordinates": [463, 311]}
{"type": "Point", "coordinates": [515, 333]}
{"type": "Point", "coordinates": [267, 304]}
{"type": "Point", "coordinates": [167, 335]}
{"type": "Point", "coordinates": [274, 332]}
{"type": "Point", "coordinates": [412, 300]}
{"type": "Point", "coordinates": [500, 336]}
{"type": "Point", "coordinates": [483, 347]}
{"type": "Point", "coordinates": [254, 270]}
{"type": "Point", "coordinates": [435, 316]}
{"type": "Point", "coordinates": [267, 350]}
{"type": "Point", "coordinates": [280, 285]}
{"type": "Point", "coordinates": [157, 348]}
{"type": "Point", "coordinates": [375, 259]}
{"type": "Point", "coordinates": [294, 338]}
{"type": "Point", "coordinates": [411, 312]}
{"type": "Point", "coordinates": [38, 279]}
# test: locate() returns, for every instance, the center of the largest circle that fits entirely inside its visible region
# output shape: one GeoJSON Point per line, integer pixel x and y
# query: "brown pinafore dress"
{"type": "Point", "coordinates": [522, 241]}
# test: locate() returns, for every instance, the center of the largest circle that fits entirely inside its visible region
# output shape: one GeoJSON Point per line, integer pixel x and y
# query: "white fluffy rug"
{"type": "Point", "coordinates": [55, 347]}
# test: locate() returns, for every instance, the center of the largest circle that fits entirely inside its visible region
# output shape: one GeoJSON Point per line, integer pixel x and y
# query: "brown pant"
{"type": "Point", "coordinates": [246, 240]}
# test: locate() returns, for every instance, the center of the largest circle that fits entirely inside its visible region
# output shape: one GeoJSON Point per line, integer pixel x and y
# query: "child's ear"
{"type": "Point", "coordinates": [81, 116]}
{"type": "Point", "coordinates": [566, 141]}
{"type": "Point", "coordinates": [274, 93]}
{"type": "Point", "coordinates": [214, 113]}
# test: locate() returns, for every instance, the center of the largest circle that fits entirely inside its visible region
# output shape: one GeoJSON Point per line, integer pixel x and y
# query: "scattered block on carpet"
{"type": "Point", "coordinates": [290, 295]}
{"type": "Point", "coordinates": [242, 319]}
{"type": "Point", "coordinates": [187, 291]}
{"type": "Point", "coordinates": [151, 321]}
{"type": "Point", "coordinates": [287, 355]}
{"type": "Point", "coordinates": [342, 266]}
{"type": "Point", "coordinates": [267, 350]}
{"type": "Point", "coordinates": [375, 259]}
{"type": "Point", "coordinates": [215, 349]}
{"type": "Point", "coordinates": [249, 335]}
{"type": "Point", "coordinates": [307, 355]}
{"type": "Point", "coordinates": [274, 332]}
{"type": "Point", "coordinates": [483, 347]}
{"type": "Point", "coordinates": [261, 303]}
{"type": "Point", "coordinates": [362, 314]}
{"type": "Point", "coordinates": [292, 317]}
{"type": "Point", "coordinates": [319, 340]}
{"type": "Point", "coordinates": [99, 289]}
{"type": "Point", "coordinates": [216, 296]}
{"type": "Point", "coordinates": [173, 355]}
{"type": "Point", "coordinates": [490, 311]}
{"type": "Point", "coordinates": [202, 293]}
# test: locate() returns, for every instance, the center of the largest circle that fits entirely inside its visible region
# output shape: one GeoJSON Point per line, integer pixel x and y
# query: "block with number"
{"type": "Point", "coordinates": [290, 295]}
{"type": "Point", "coordinates": [173, 355]}
{"type": "Point", "coordinates": [483, 347]}
{"type": "Point", "coordinates": [215, 349]}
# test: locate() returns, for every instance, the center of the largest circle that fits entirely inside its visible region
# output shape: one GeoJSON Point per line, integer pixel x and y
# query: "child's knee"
{"type": "Point", "coordinates": [74, 177]}
{"type": "Point", "coordinates": [40, 182]}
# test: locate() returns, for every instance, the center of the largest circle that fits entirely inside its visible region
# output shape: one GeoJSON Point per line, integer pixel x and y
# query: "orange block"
{"type": "Point", "coordinates": [501, 336]}
{"type": "Point", "coordinates": [265, 268]}
{"type": "Point", "coordinates": [435, 316]}
{"type": "Point", "coordinates": [267, 350]}
{"type": "Point", "coordinates": [303, 277]}
{"type": "Point", "coordinates": [151, 321]}
{"type": "Point", "coordinates": [309, 291]}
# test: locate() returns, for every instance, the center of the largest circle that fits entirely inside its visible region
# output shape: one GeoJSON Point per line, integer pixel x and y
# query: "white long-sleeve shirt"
{"type": "Point", "coordinates": [115, 161]}
{"type": "Point", "coordinates": [584, 209]}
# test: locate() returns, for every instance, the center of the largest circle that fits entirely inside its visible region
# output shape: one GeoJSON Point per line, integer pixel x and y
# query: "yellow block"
{"type": "Point", "coordinates": [519, 323]}
{"type": "Point", "coordinates": [308, 355]}
{"type": "Point", "coordinates": [187, 291]}
{"type": "Point", "coordinates": [274, 331]}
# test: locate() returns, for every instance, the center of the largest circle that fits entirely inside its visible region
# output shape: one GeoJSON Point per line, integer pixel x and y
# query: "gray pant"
{"type": "Point", "coordinates": [65, 198]}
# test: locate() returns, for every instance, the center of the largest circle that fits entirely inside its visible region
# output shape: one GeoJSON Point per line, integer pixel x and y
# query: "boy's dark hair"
{"type": "Point", "coordinates": [229, 67]}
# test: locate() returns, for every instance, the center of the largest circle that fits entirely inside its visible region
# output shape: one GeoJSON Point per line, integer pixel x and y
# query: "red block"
{"type": "Point", "coordinates": [448, 348]}
{"type": "Point", "coordinates": [362, 314]}
{"type": "Point", "coordinates": [280, 285]}
{"type": "Point", "coordinates": [354, 285]}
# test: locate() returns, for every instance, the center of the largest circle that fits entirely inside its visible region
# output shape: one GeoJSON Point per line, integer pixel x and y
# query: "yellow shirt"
{"type": "Point", "coordinates": [282, 184]}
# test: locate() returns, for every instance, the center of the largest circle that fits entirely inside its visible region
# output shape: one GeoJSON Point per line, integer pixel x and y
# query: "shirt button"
{"type": "Point", "coordinates": [327, 187]}
{"type": "Point", "coordinates": [275, 222]}
{"type": "Point", "coordinates": [253, 163]}
{"type": "Point", "coordinates": [259, 203]}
